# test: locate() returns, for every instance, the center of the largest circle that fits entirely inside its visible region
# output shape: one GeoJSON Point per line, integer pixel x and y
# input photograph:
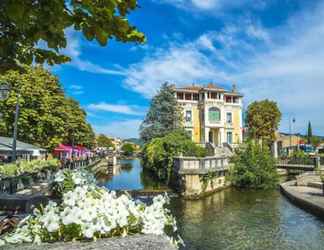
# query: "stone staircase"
{"type": "Point", "coordinates": [225, 150]}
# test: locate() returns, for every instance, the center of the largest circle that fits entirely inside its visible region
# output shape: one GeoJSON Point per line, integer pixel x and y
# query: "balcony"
{"type": "Point", "coordinates": [195, 165]}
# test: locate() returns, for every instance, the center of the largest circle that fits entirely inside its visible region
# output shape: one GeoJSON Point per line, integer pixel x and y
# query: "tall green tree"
{"type": "Point", "coordinates": [104, 141]}
{"type": "Point", "coordinates": [47, 117]}
{"type": "Point", "coordinates": [263, 118]}
{"type": "Point", "coordinates": [77, 131]}
{"type": "Point", "coordinates": [128, 149]}
{"type": "Point", "coordinates": [158, 155]}
{"type": "Point", "coordinates": [26, 23]}
{"type": "Point", "coordinates": [163, 116]}
{"type": "Point", "coordinates": [309, 133]}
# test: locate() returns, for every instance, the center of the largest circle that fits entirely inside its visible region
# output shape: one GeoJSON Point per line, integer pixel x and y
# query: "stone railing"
{"type": "Point", "coordinates": [204, 164]}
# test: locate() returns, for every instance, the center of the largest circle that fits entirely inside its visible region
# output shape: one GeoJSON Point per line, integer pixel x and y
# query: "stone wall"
{"type": "Point", "coordinates": [197, 185]}
{"type": "Point", "coordinates": [138, 242]}
{"type": "Point", "coordinates": [195, 177]}
{"type": "Point", "coordinates": [306, 178]}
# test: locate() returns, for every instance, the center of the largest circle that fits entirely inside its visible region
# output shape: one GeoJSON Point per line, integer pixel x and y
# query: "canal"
{"type": "Point", "coordinates": [232, 219]}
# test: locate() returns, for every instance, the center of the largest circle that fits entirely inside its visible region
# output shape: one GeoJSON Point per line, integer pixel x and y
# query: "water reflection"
{"type": "Point", "coordinates": [231, 219]}
{"type": "Point", "coordinates": [131, 177]}
{"type": "Point", "coordinates": [246, 220]}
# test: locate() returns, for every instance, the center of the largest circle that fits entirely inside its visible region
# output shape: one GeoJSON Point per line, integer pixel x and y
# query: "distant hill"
{"type": "Point", "coordinates": [135, 141]}
{"type": "Point", "coordinates": [302, 135]}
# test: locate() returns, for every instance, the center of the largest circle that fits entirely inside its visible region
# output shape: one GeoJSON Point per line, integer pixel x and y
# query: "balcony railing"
{"type": "Point", "coordinates": [201, 165]}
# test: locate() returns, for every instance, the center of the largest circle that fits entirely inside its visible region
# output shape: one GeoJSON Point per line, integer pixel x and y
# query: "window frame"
{"type": "Point", "coordinates": [229, 121]}
{"type": "Point", "coordinates": [211, 111]}
{"type": "Point", "coordinates": [227, 137]}
{"type": "Point", "coordinates": [186, 113]}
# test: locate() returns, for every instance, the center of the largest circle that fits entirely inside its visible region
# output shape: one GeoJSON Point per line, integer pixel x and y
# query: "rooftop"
{"type": "Point", "coordinates": [211, 87]}
{"type": "Point", "coordinates": [6, 145]}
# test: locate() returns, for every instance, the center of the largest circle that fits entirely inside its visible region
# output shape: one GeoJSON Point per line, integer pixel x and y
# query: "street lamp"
{"type": "Point", "coordinates": [293, 120]}
{"type": "Point", "coordinates": [4, 92]}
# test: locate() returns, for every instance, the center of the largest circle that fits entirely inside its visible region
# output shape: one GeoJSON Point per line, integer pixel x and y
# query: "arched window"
{"type": "Point", "coordinates": [214, 115]}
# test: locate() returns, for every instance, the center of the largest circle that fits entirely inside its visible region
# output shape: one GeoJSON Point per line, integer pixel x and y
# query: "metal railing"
{"type": "Point", "coordinates": [309, 161]}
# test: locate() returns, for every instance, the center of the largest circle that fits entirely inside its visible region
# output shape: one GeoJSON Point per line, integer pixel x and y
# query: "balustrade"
{"type": "Point", "coordinates": [193, 163]}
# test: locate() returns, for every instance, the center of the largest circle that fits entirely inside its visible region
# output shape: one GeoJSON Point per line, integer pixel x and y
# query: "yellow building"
{"type": "Point", "coordinates": [212, 114]}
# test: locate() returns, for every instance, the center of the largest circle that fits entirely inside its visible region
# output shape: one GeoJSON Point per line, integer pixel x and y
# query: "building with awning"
{"type": "Point", "coordinates": [23, 150]}
{"type": "Point", "coordinates": [63, 151]}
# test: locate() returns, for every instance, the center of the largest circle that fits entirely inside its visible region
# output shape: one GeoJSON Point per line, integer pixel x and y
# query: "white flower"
{"type": "Point", "coordinates": [96, 211]}
{"type": "Point", "coordinates": [59, 176]}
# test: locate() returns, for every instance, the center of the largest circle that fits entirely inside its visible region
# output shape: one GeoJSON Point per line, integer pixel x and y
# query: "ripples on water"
{"type": "Point", "coordinates": [234, 220]}
{"type": "Point", "coordinates": [255, 220]}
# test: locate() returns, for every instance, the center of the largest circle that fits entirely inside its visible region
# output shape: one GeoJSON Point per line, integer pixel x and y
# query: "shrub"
{"type": "Point", "coordinates": [158, 155]}
{"type": "Point", "coordinates": [253, 167]}
{"type": "Point", "coordinates": [128, 149]}
{"type": "Point", "coordinates": [19, 168]}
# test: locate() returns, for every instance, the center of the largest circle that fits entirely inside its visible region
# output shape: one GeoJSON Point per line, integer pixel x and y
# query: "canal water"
{"type": "Point", "coordinates": [234, 220]}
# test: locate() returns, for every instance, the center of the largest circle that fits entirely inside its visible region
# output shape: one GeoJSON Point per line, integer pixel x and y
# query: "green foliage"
{"type": "Point", "coordinates": [104, 141]}
{"type": "Point", "coordinates": [263, 119]}
{"type": "Point", "coordinates": [22, 167]}
{"type": "Point", "coordinates": [300, 157]}
{"type": "Point", "coordinates": [163, 116]}
{"type": "Point", "coordinates": [253, 167]}
{"type": "Point", "coordinates": [309, 133]}
{"type": "Point", "coordinates": [159, 153]}
{"type": "Point", "coordinates": [299, 154]}
{"type": "Point", "coordinates": [35, 31]}
{"type": "Point", "coordinates": [47, 117]}
{"type": "Point", "coordinates": [315, 141]}
{"type": "Point", "coordinates": [208, 179]}
{"type": "Point", "coordinates": [128, 149]}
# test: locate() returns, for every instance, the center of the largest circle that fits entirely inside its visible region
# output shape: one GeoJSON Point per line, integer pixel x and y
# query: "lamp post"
{"type": "Point", "coordinates": [4, 92]}
{"type": "Point", "coordinates": [293, 120]}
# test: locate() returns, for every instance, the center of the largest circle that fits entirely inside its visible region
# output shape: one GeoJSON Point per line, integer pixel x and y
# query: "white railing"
{"type": "Point", "coordinates": [194, 163]}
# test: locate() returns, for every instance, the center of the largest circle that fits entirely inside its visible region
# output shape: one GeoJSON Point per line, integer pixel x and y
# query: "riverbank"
{"type": "Point", "coordinates": [310, 199]}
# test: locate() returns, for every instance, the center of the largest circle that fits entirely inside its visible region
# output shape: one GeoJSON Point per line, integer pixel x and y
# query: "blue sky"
{"type": "Point", "coordinates": [268, 48]}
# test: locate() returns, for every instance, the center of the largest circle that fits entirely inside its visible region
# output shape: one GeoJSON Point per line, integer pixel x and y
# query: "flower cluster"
{"type": "Point", "coordinates": [67, 180]}
{"type": "Point", "coordinates": [89, 212]}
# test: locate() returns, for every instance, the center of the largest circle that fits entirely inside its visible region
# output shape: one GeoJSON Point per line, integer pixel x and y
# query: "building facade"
{"type": "Point", "coordinates": [212, 114]}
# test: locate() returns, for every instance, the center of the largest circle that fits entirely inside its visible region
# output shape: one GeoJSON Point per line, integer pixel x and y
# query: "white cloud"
{"type": "Point", "coordinates": [75, 89]}
{"type": "Point", "coordinates": [117, 108]}
{"type": "Point", "coordinates": [208, 5]}
{"type": "Point", "coordinates": [74, 50]}
{"type": "Point", "coordinates": [123, 129]}
{"type": "Point", "coordinates": [284, 64]}
{"type": "Point", "coordinates": [177, 64]}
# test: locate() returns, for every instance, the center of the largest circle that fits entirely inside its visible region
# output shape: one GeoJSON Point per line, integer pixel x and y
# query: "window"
{"type": "Point", "coordinates": [229, 137]}
{"type": "Point", "coordinates": [196, 97]}
{"type": "Point", "coordinates": [228, 99]}
{"type": "Point", "coordinates": [229, 117]}
{"type": "Point", "coordinates": [188, 96]}
{"type": "Point", "coordinates": [188, 116]}
{"type": "Point", "coordinates": [180, 96]}
{"type": "Point", "coordinates": [214, 115]}
{"type": "Point", "coordinates": [235, 100]}
{"type": "Point", "coordinates": [213, 95]}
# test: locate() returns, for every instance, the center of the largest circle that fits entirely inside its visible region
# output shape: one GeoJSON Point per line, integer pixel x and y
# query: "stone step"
{"type": "Point", "coordinates": [314, 184]}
